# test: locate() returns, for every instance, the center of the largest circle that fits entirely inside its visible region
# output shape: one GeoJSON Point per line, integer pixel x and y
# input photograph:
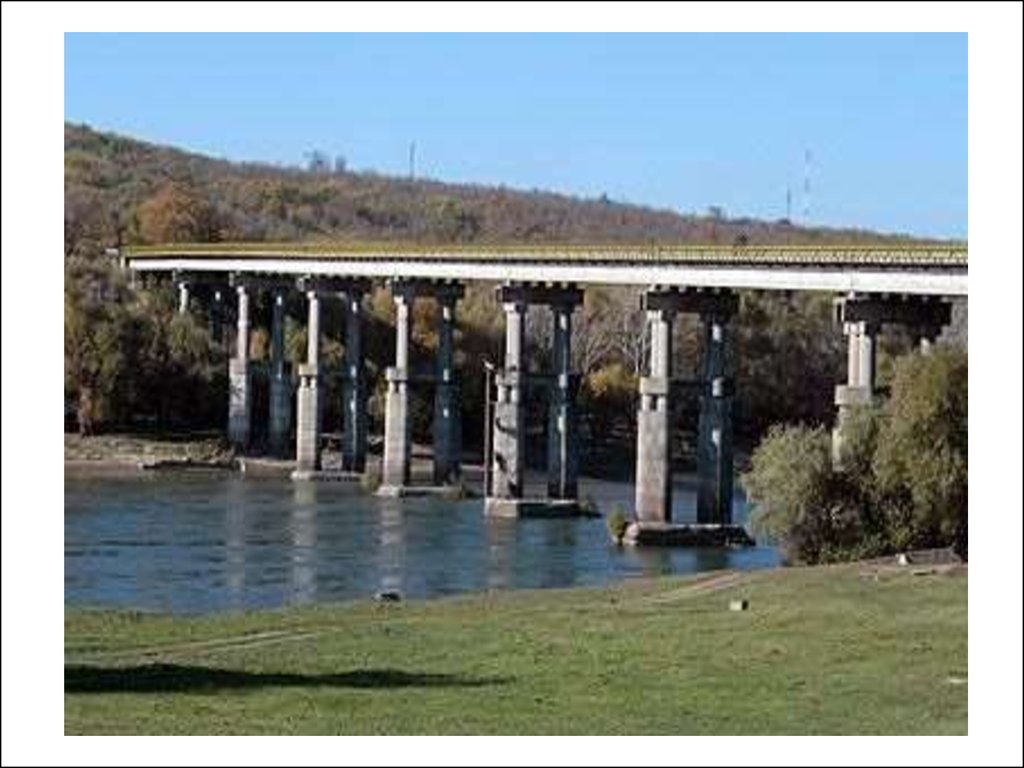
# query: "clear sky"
{"type": "Point", "coordinates": [681, 121]}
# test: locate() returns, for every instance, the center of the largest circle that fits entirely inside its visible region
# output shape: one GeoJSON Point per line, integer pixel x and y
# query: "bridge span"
{"type": "Point", "coordinates": [874, 285]}
{"type": "Point", "coordinates": [909, 269]}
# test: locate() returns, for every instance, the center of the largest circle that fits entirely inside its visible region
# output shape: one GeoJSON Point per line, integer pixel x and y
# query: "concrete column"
{"type": "Point", "coordinates": [509, 422]}
{"type": "Point", "coordinates": [714, 432]}
{"type": "Point", "coordinates": [239, 403]}
{"type": "Point", "coordinates": [447, 405]}
{"type": "Point", "coordinates": [853, 333]}
{"type": "Point", "coordinates": [280, 421]}
{"type": "Point", "coordinates": [396, 419]}
{"type": "Point", "coordinates": [307, 429]}
{"type": "Point", "coordinates": [217, 317]}
{"type": "Point", "coordinates": [182, 297]}
{"type": "Point", "coordinates": [868, 350]}
{"type": "Point", "coordinates": [353, 447]}
{"type": "Point", "coordinates": [860, 379]}
{"type": "Point", "coordinates": [563, 460]}
{"type": "Point", "coordinates": [653, 453]}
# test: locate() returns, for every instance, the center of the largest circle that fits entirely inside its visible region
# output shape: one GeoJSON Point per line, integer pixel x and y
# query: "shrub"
{"type": "Point", "coordinates": [617, 524]}
{"type": "Point", "coordinates": [902, 481]}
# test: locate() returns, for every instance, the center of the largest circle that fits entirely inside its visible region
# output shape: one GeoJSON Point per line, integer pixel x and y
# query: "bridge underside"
{"type": "Point", "coordinates": [908, 286]}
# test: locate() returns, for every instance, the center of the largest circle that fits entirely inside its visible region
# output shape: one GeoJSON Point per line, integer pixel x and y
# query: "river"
{"type": "Point", "coordinates": [207, 541]}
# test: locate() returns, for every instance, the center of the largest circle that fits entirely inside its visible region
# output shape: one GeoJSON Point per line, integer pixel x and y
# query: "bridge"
{"type": "Point", "coordinates": [910, 285]}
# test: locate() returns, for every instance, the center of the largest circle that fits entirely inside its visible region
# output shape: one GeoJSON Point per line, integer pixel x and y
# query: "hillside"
{"type": "Point", "coordinates": [117, 189]}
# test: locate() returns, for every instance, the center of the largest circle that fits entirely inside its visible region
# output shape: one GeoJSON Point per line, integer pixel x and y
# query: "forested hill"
{"type": "Point", "coordinates": [118, 189]}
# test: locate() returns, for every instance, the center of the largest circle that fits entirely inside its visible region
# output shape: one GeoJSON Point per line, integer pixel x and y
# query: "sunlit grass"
{"type": "Point", "coordinates": [845, 649]}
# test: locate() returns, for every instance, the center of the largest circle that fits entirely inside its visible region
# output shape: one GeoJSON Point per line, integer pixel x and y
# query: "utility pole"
{"type": "Point", "coordinates": [488, 371]}
{"type": "Point", "coordinates": [412, 160]}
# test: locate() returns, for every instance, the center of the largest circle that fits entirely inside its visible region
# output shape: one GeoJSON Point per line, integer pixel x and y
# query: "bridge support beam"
{"type": "Point", "coordinates": [653, 451]}
{"type": "Point", "coordinates": [714, 431]}
{"type": "Point", "coordinates": [239, 379]}
{"type": "Point", "coordinates": [447, 401]}
{"type": "Point", "coordinates": [396, 419]}
{"type": "Point", "coordinates": [563, 459]}
{"type": "Point", "coordinates": [280, 419]}
{"type": "Point", "coordinates": [353, 447]}
{"type": "Point", "coordinates": [307, 432]}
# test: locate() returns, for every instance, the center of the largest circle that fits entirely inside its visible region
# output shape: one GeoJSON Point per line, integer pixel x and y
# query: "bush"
{"type": "Point", "coordinates": [903, 479]}
{"type": "Point", "coordinates": [617, 524]}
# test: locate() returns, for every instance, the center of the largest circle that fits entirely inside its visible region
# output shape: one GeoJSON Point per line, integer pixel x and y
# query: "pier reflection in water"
{"type": "Point", "coordinates": [204, 542]}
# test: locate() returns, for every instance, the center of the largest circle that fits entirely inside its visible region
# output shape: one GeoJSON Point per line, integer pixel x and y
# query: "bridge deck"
{"type": "Point", "coordinates": [832, 255]}
{"type": "Point", "coordinates": [922, 269]}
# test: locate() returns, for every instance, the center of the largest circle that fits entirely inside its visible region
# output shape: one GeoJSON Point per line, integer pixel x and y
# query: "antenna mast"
{"type": "Point", "coordinates": [807, 185]}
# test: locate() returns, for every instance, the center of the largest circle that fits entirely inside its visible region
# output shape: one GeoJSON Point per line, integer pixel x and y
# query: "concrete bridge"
{"type": "Point", "coordinates": [874, 285]}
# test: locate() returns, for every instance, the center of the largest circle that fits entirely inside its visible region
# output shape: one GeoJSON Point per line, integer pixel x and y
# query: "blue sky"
{"type": "Point", "coordinates": [680, 121]}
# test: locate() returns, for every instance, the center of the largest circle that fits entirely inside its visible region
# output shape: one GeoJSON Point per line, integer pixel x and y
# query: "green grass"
{"type": "Point", "coordinates": [821, 650]}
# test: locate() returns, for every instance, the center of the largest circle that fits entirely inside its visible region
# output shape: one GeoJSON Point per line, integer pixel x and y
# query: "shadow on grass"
{"type": "Point", "coordinates": [177, 678]}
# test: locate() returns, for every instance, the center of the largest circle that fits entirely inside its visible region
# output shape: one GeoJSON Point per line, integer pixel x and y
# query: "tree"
{"type": "Point", "coordinates": [177, 214]}
{"type": "Point", "coordinates": [921, 461]}
{"type": "Point", "coordinates": [95, 330]}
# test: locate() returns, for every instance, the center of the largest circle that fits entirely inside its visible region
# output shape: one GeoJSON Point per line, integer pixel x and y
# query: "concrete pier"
{"type": "Point", "coordinates": [653, 500]}
{"type": "Point", "coordinates": [353, 447]}
{"type": "Point", "coordinates": [563, 459]}
{"type": "Point", "coordinates": [654, 427]}
{"type": "Point", "coordinates": [509, 424]}
{"type": "Point", "coordinates": [239, 380]}
{"type": "Point", "coordinates": [280, 419]}
{"type": "Point", "coordinates": [447, 406]}
{"type": "Point", "coordinates": [396, 420]}
{"type": "Point", "coordinates": [183, 297]}
{"type": "Point", "coordinates": [307, 430]}
{"type": "Point", "coordinates": [217, 316]}
{"type": "Point", "coordinates": [714, 432]}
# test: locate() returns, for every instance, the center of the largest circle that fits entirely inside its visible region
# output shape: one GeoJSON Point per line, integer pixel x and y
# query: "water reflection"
{"type": "Point", "coordinates": [235, 533]}
{"type": "Point", "coordinates": [187, 542]}
{"type": "Point", "coordinates": [501, 551]}
{"type": "Point", "coordinates": [303, 551]}
{"type": "Point", "coordinates": [392, 544]}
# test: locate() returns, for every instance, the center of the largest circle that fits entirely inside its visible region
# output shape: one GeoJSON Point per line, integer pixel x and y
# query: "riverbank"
{"type": "Point", "coordinates": [851, 649]}
{"type": "Point", "coordinates": [131, 450]}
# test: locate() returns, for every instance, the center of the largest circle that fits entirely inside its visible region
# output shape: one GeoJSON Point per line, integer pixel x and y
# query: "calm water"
{"type": "Point", "coordinates": [198, 542]}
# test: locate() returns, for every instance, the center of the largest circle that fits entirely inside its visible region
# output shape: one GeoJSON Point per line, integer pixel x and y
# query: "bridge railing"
{"type": "Point", "coordinates": [936, 256]}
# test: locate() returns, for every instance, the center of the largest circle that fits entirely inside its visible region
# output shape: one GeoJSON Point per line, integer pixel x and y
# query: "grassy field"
{"type": "Point", "coordinates": [845, 649]}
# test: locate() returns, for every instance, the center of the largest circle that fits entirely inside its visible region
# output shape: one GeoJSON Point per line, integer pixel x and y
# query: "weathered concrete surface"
{"type": "Point", "coordinates": [509, 461]}
{"type": "Point", "coordinates": [447, 405]}
{"type": "Point", "coordinates": [307, 428]}
{"type": "Point", "coordinates": [653, 500]}
{"type": "Point", "coordinates": [396, 429]}
{"type": "Point", "coordinates": [308, 405]}
{"type": "Point", "coordinates": [353, 447]}
{"type": "Point", "coordinates": [280, 420]}
{"type": "Point", "coordinates": [396, 405]}
{"type": "Point", "coordinates": [563, 453]}
{"type": "Point", "coordinates": [239, 379]}
{"type": "Point", "coordinates": [686, 535]}
{"type": "Point", "coordinates": [509, 448]}
{"type": "Point", "coordinates": [714, 431]}
{"type": "Point", "coordinates": [534, 507]}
